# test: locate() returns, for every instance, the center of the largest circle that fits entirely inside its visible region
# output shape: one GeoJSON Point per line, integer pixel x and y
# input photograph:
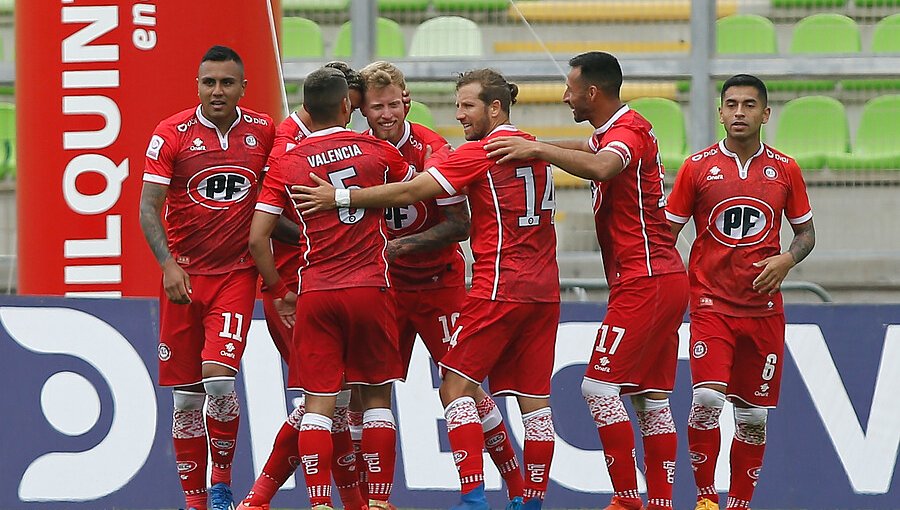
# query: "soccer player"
{"type": "Point", "coordinates": [204, 164]}
{"type": "Point", "coordinates": [345, 327]}
{"type": "Point", "coordinates": [636, 349]}
{"type": "Point", "coordinates": [427, 265]}
{"type": "Point", "coordinates": [288, 258]}
{"type": "Point", "coordinates": [507, 327]}
{"type": "Point", "coordinates": [737, 191]}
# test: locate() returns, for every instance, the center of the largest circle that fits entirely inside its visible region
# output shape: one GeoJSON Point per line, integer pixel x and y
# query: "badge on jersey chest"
{"type": "Point", "coordinates": [741, 221]}
{"type": "Point", "coordinates": [405, 220]}
{"type": "Point", "coordinates": [220, 187]}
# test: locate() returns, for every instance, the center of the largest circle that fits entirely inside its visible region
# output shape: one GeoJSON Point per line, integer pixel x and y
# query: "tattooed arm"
{"type": "Point", "coordinates": [776, 268]}
{"type": "Point", "coordinates": [176, 281]}
{"type": "Point", "coordinates": [454, 228]}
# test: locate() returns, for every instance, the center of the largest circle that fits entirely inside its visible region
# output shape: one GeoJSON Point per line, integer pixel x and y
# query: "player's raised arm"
{"type": "Point", "coordinates": [396, 194]}
{"type": "Point", "coordinates": [598, 167]}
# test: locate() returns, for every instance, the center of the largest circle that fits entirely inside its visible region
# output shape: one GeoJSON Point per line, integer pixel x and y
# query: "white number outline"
{"type": "Point", "coordinates": [338, 178]}
{"type": "Point", "coordinates": [548, 200]}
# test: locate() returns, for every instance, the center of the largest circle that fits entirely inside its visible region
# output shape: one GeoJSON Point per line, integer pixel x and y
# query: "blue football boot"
{"type": "Point", "coordinates": [220, 497]}
{"type": "Point", "coordinates": [473, 500]}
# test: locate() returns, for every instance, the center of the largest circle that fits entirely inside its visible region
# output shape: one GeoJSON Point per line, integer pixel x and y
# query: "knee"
{"type": "Point", "coordinates": [708, 397]}
{"type": "Point", "coordinates": [750, 425]}
{"type": "Point", "coordinates": [591, 388]}
{"type": "Point", "coordinates": [188, 401]}
{"type": "Point", "coordinates": [218, 386]}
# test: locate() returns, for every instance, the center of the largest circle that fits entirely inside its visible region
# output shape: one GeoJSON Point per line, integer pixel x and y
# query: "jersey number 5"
{"type": "Point", "coordinates": [338, 178]}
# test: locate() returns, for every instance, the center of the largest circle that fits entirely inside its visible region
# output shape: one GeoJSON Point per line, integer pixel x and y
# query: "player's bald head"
{"type": "Point", "coordinates": [324, 90]}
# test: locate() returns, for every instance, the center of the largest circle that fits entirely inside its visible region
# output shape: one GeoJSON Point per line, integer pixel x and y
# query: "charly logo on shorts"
{"type": "Point", "coordinates": [700, 349]}
{"type": "Point", "coordinates": [770, 172]}
{"type": "Point", "coordinates": [495, 440]}
{"type": "Point", "coordinates": [459, 456]}
{"type": "Point", "coordinates": [164, 352]}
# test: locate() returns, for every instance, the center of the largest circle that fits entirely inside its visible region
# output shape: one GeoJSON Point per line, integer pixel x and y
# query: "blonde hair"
{"type": "Point", "coordinates": [381, 74]}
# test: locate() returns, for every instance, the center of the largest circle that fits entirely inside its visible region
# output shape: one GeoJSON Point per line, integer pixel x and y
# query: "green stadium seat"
{"type": "Point", "coordinates": [877, 3]}
{"type": "Point", "coordinates": [420, 114]}
{"type": "Point", "coordinates": [301, 38]}
{"type": "Point", "coordinates": [876, 146]}
{"type": "Point", "coordinates": [389, 40]}
{"type": "Point", "coordinates": [470, 5]}
{"type": "Point", "coordinates": [7, 6]}
{"type": "Point", "coordinates": [885, 39]}
{"type": "Point", "coordinates": [668, 125]}
{"type": "Point", "coordinates": [812, 128]}
{"type": "Point", "coordinates": [403, 5]}
{"type": "Point", "coordinates": [7, 140]}
{"type": "Point", "coordinates": [818, 34]}
{"type": "Point", "coordinates": [446, 36]}
{"type": "Point", "coordinates": [745, 33]}
{"type": "Point", "coordinates": [314, 5]}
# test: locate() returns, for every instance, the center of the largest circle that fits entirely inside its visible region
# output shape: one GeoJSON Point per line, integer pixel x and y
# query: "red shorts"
{"type": "Point", "coordinates": [432, 314]}
{"type": "Point", "coordinates": [281, 334]}
{"type": "Point", "coordinates": [211, 329]}
{"type": "Point", "coordinates": [756, 343]}
{"type": "Point", "coordinates": [637, 343]}
{"type": "Point", "coordinates": [344, 334]}
{"type": "Point", "coordinates": [510, 344]}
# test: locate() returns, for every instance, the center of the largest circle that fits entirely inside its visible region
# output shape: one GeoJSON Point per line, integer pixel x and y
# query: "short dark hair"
{"type": "Point", "coordinates": [494, 87]}
{"type": "Point", "coordinates": [222, 54]}
{"type": "Point", "coordinates": [323, 91]}
{"type": "Point", "coordinates": [354, 79]}
{"type": "Point", "coordinates": [600, 69]}
{"type": "Point", "coordinates": [746, 80]}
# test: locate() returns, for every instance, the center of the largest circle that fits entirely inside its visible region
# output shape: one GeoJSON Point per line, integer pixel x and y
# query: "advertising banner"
{"type": "Point", "coordinates": [85, 425]}
{"type": "Point", "coordinates": [95, 78]}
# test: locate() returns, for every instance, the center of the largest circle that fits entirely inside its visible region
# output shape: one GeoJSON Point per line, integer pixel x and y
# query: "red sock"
{"type": "Point", "coordinates": [379, 450]}
{"type": "Point", "coordinates": [496, 441]}
{"type": "Point", "coordinates": [660, 445]}
{"type": "Point", "coordinates": [315, 457]}
{"type": "Point", "coordinates": [222, 419]}
{"type": "Point", "coordinates": [746, 462]}
{"type": "Point", "coordinates": [466, 439]}
{"type": "Point", "coordinates": [343, 465]}
{"type": "Point", "coordinates": [539, 441]}
{"type": "Point", "coordinates": [704, 440]}
{"type": "Point", "coordinates": [189, 440]}
{"type": "Point", "coordinates": [355, 419]}
{"type": "Point", "coordinates": [617, 439]}
{"type": "Point", "coordinates": [281, 463]}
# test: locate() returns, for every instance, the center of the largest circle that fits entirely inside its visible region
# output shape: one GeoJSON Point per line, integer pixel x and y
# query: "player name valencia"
{"type": "Point", "coordinates": [332, 155]}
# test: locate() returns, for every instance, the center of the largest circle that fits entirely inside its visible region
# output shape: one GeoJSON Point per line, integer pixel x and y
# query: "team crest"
{"type": "Point", "coordinates": [250, 140]}
{"type": "Point", "coordinates": [699, 350]}
{"type": "Point", "coordinates": [770, 172]}
{"type": "Point", "coordinates": [164, 352]}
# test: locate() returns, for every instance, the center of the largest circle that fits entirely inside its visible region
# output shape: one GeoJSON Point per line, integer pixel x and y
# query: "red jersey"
{"type": "Point", "coordinates": [287, 257]}
{"type": "Point", "coordinates": [344, 247]}
{"type": "Point", "coordinates": [737, 212]}
{"type": "Point", "coordinates": [212, 179]}
{"type": "Point", "coordinates": [513, 205]}
{"type": "Point", "coordinates": [629, 209]}
{"type": "Point", "coordinates": [445, 267]}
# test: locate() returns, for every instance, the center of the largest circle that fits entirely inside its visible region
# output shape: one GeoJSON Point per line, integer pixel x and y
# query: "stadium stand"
{"type": "Point", "coordinates": [314, 5]}
{"type": "Point", "coordinates": [876, 145]}
{"type": "Point", "coordinates": [470, 5]}
{"type": "Point", "coordinates": [809, 4]}
{"type": "Point", "coordinates": [403, 5]}
{"type": "Point", "coordinates": [389, 40]}
{"type": "Point", "coordinates": [301, 38]}
{"type": "Point", "coordinates": [811, 129]}
{"type": "Point", "coordinates": [746, 33]}
{"type": "Point", "coordinates": [7, 141]}
{"type": "Point", "coordinates": [668, 125]}
{"type": "Point", "coordinates": [885, 39]}
{"type": "Point", "coordinates": [447, 36]}
{"type": "Point", "coordinates": [574, 47]}
{"type": "Point", "coordinates": [611, 11]}
{"type": "Point", "coordinates": [420, 114]}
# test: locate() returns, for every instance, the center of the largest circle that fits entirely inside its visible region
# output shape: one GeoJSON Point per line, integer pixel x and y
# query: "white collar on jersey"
{"type": "Point", "coordinates": [502, 127]}
{"type": "Point", "coordinates": [223, 138]}
{"type": "Point", "coordinates": [407, 131]}
{"type": "Point", "coordinates": [300, 124]}
{"type": "Point", "coordinates": [328, 131]}
{"type": "Point", "coordinates": [605, 127]}
{"type": "Point", "coordinates": [742, 170]}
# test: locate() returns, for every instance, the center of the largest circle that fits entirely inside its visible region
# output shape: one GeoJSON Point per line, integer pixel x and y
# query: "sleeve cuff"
{"type": "Point", "coordinates": [442, 180]}
{"type": "Point", "coordinates": [271, 209]}
{"type": "Point", "coordinates": [156, 179]}
{"type": "Point", "coordinates": [674, 218]}
{"type": "Point", "coordinates": [455, 199]}
{"type": "Point", "coordinates": [802, 219]}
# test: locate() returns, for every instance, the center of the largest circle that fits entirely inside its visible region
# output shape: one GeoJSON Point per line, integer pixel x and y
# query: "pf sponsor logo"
{"type": "Point", "coordinates": [700, 349]}
{"type": "Point", "coordinates": [164, 352]}
{"type": "Point", "coordinates": [220, 187]}
{"type": "Point", "coordinates": [495, 440]}
{"type": "Point", "coordinates": [459, 456]}
{"type": "Point", "coordinates": [406, 220]}
{"type": "Point", "coordinates": [348, 460]}
{"type": "Point", "coordinates": [741, 221]}
{"type": "Point", "coordinates": [186, 466]}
